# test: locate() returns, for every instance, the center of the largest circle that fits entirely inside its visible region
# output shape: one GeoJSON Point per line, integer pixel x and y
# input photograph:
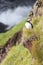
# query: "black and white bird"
{"type": "Point", "coordinates": [28, 24]}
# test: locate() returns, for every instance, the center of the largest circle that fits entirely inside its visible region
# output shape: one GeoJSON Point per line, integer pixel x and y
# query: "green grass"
{"type": "Point", "coordinates": [37, 45]}
{"type": "Point", "coordinates": [5, 36]}
{"type": "Point", "coordinates": [37, 28]}
{"type": "Point", "coordinates": [18, 56]}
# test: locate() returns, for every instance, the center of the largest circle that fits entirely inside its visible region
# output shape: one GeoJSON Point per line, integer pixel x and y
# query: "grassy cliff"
{"type": "Point", "coordinates": [4, 37]}
{"type": "Point", "coordinates": [30, 50]}
{"type": "Point", "coordinates": [18, 56]}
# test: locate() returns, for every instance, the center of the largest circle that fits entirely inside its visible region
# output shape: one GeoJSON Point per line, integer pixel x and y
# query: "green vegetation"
{"type": "Point", "coordinates": [36, 30]}
{"type": "Point", "coordinates": [37, 45]}
{"type": "Point", "coordinates": [5, 36]}
{"type": "Point", "coordinates": [18, 56]}
{"type": "Point", "coordinates": [37, 48]}
{"type": "Point", "coordinates": [27, 33]}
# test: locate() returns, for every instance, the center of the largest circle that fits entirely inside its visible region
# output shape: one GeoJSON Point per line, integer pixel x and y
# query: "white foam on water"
{"type": "Point", "coordinates": [12, 17]}
{"type": "Point", "coordinates": [28, 25]}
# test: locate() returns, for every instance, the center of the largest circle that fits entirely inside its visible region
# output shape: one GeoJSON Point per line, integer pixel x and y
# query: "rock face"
{"type": "Point", "coordinates": [15, 40]}
{"type": "Point", "coordinates": [3, 27]}
{"type": "Point", "coordinates": [37, 9]}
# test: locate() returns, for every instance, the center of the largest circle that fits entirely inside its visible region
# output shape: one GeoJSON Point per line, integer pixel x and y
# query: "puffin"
{"type": "Point", "coordinates": [28, 24]}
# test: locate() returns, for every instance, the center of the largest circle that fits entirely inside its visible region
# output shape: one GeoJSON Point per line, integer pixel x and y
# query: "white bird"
{"type": "Point", "coordinates": [28, 25]}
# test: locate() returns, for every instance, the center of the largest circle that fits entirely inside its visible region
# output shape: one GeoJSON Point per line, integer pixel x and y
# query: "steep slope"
{"type": "Point", "coordinates": [10, 39]}
{"type": "Point", "coordinates": [4, 37]}
{"type": "Point", "coordinates": [19, 56]}
{"type": "Point", "coordinates": [32, 39]}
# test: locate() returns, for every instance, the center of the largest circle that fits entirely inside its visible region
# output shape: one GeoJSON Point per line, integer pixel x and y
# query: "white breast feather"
{"type": "Point", "coordinates": [28, 25]}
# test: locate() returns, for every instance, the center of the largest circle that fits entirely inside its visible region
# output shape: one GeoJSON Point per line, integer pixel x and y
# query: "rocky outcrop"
{"type": "Point", "coordinates": [37, 9]}
{"type": "Point", "coordinates": [15, 40]}
{"type": "Point", "coordinates": [3, 27]}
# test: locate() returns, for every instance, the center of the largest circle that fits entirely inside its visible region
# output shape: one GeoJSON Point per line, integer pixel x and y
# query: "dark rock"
{"type": "Point", "coordinates": [3, 27]}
